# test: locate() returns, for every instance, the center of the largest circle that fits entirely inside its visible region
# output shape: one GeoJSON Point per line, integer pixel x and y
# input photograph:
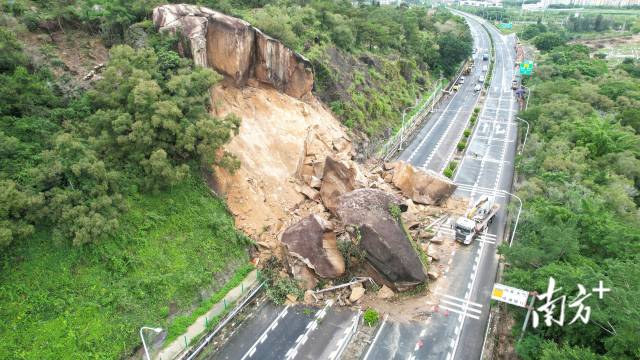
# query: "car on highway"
{"type": "Point", "coordinates": [481, 79]}
{"type": "Point", "coordinates": [475, 50]}
{"type": "Point", "coordinates": [485, 56]}
{"type": "Point", "coordinates": [461, 80]}
{"type": "Point", "coordinates": [485, 68]}
{"type": "Point", "coordinates": [455, 87]}
{"type": "Point", "coordinates": [477, 88]}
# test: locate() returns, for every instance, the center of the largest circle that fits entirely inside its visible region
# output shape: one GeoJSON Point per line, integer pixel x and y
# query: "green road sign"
{"type": "Point", "coordinates": [526, 67]}
{"type": "Point", "coordinates": [506, 25]}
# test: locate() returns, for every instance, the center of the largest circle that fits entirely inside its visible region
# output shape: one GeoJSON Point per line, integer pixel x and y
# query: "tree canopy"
{"type": "Point", "coordinates": [66, 163]}
{"type": "Point", "coordinates": [580, 222]}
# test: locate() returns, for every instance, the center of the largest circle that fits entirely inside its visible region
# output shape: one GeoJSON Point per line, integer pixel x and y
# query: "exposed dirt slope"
{"type": "Point", "coordinates": [264, 193]}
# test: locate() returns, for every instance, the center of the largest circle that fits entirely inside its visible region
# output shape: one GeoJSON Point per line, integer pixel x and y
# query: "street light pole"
{"type": "Point", "coordinates": [144, 344]}
{"type": "Point", "coordinates": [404, 112]}
{"type": "Point", "coordinates": [525, 134]}
{"type": "Point", "coordinates": [526, 105]}
{"type": "Point", "coordinates": [513, 234]}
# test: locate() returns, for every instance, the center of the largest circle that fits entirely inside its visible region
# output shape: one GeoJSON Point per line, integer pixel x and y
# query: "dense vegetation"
{"type": "Point", "coordinates": [65, 164]}
{"type": "Point", "coordinates": [580, 224]}
{"type": "Point", "coordinates": [568, 25]}
{"type": "Point", "coordinates": [105, 222]}
{"type": "Point", "coordinates": [172, 250]}
{"type": "Point", "coordinates": [370, 61]}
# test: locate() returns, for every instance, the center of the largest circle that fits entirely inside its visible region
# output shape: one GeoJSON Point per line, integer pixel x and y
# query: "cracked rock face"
{"type": "Point", "coordinates": [388, 248]}
{"type": "Point", "coordinates": [313, 242]}
{"type": "Point", "coordinates": [235, 48]}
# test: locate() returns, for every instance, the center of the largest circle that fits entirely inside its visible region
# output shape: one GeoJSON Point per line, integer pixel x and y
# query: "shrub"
{"type": "Point", "coordinates": [461, 145]}
{"type": "Point", "coordinates": [395, 211]}
{"type": "Point", "coordinates": [371, 317]}
{"type": "Point", "coordinates": [467, 133]}
{"type": "Point", "coordinates": [448, 173]}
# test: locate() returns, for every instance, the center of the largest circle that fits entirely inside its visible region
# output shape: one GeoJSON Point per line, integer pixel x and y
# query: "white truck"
{"type": "Point", "coordinates": [476, 220]}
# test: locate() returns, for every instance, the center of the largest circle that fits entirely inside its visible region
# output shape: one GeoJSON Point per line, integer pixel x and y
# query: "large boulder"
{"type": "Point", "coordinates": [339, 177]}
{"type": "Point", "coordinates": [313, 242]}
{"type": "Point", "coordinates": [234, 48]}
{"type": "Point", "coordinates": [382, 236]}
{"type": "Point", "coordinates": [422, 186]}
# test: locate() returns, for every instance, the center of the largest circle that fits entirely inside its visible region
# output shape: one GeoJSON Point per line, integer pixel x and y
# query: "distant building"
{"type": "Point", "coordinates": [488, 3]}
{"type": "Point", "coordinates": [611, 3]}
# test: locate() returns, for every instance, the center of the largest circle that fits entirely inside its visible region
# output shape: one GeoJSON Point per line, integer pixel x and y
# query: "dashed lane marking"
{"type": "Point", "coordinates": [302, 339]}
{"type": "Point", "coordinates": [265, 334]}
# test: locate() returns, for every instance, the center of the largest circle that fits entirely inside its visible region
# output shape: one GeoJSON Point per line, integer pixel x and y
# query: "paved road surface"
{"type": "Point", "coordinates": [434, 145]}
{"type": "Point", "coordinates": [457, 327]}
{"type": "Point", "coordinates": [289, 332]}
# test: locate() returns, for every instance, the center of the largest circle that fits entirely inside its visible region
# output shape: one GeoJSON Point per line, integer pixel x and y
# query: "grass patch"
{"type": "Point", "coordinates": [371, 317]}
{"type": "Point", "coordinates": [180, 324]}
{"type": "Point", "coordinates": [448, 172]}
{"type": "Point", "coordinates": [61, 301]}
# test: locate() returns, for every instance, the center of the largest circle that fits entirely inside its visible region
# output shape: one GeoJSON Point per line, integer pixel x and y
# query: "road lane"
{"type": "Point", "coordinates": [434, 145]}
{"type": "Point", "coordinates": [456, 328]}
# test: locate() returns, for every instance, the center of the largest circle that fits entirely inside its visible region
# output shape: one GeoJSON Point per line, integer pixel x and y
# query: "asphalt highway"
{"type": "Point", "coordinates": [289, 332]}
{"type": "Point", "coordinates": [459, 320]}
{"type": "Point", "coordinates": [435, 144]}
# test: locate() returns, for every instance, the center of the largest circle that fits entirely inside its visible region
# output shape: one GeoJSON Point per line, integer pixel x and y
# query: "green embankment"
{"type": "Point", "coordinates": [59, 301]}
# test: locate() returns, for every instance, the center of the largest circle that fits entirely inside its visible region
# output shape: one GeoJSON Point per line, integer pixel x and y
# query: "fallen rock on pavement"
{"type": "Point", "coordinates": [382, 236]}
{"type": "Point", "coordinates": [385, 292]}
{"type": "Point", "coordinates": [433, 275]}
{"type": "Point", "coordinates": [424, 187]}
{"type": "Point", "coordinates": [356, 294]}
{"type": "Point", "coordinates": [313, 242]}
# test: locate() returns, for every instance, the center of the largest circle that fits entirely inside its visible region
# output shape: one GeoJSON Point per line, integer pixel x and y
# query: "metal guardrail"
{"type": "Point", "coordinates": [191, 354]}
{"type": "Point", "coordinates": [391, 147]}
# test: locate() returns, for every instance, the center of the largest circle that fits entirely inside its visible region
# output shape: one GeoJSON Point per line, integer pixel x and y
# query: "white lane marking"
{"type": "Point", "coordinates": [310, 328]}
{"type": "Point", "coordinates": [375, 338]}
{"type": "Point", "coordinates": [431, 130]}
{"type": "Point", "coordinates": [265, 334]}
{"type": "Point", "coordinates": [472, 303]}
{"type": "Point", "coordinates": [457, 305]}
{"type": "Point", "coordinates": [343, 342]}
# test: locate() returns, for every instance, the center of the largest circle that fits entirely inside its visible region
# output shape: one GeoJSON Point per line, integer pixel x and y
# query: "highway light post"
{"type": "Point", "coordinates": [530, 90]}
{"type": "Point", "coordinates": [144, 344]}
{"type": "Point", "coordinates": [513, 234]}
{"type": "Point", "coordinates": [525, 134]}
{"type": "Point", "coordinates": [404, 112]}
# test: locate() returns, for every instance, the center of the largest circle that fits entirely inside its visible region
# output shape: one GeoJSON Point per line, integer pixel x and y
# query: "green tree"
{"type": "Point", "coordinates": [11, 54]}
{"type": "Point", "coordinates": [547, 41]}
{"type": "Point", "coordinates": [453, 49]}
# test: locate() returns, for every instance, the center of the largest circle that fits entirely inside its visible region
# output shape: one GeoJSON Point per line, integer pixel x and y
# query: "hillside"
{"type": "Point", "coordinates": [107, 133]}
{"type": "Point", "coordinates": [579, 182]}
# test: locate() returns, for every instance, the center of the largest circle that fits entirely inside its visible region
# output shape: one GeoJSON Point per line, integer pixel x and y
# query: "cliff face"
{"type": "Point", "coordinates": [235, 48]}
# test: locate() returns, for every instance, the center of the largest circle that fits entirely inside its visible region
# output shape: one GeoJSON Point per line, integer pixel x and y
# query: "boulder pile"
{"type": "Point", "coordinates": [378, 213]}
